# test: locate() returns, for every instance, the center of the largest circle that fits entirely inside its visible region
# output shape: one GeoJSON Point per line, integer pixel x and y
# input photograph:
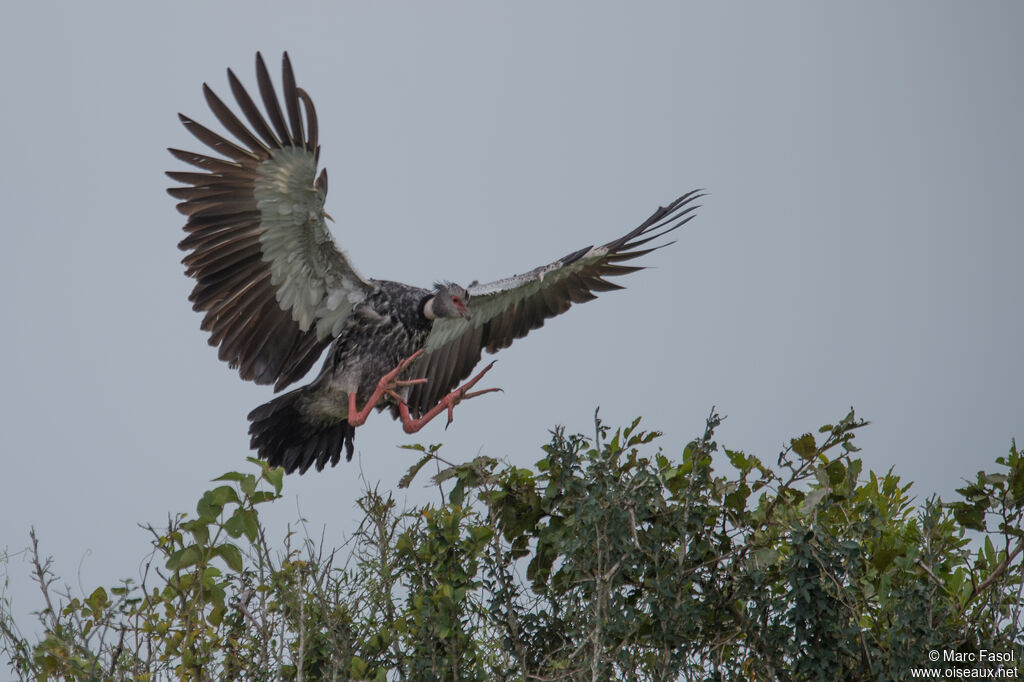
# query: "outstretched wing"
{"type": "Point", "coordinates": [508, 309]}
{"type": "Point", "coordinates": [273, 284]}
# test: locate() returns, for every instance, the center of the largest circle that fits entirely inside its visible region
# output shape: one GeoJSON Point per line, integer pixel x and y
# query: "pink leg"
{"type": "Point", "coordinates": [446, 403]}
{"type": "Point", "coordinates": [386, 385]}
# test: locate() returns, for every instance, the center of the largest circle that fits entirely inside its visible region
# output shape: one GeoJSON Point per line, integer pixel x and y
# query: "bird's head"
{"type": "Point", "coordinates": [449, 300]}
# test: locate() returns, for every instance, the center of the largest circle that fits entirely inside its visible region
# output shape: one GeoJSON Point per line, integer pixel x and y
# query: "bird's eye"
{"type": "Point", "coordinates": [455, 299]}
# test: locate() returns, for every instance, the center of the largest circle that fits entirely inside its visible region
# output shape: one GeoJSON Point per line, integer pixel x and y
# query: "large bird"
{"type": "Point", "coordinates": [277, 290]}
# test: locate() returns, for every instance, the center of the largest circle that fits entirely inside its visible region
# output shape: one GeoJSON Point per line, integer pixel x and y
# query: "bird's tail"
{"type": "Point", "coordinates": [284, 436]}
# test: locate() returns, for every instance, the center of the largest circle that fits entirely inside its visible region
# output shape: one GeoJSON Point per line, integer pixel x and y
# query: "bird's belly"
{"type": "Point", "coordinates": [328, 403]}
{"type": "Point", "coordinates": [358, 361]}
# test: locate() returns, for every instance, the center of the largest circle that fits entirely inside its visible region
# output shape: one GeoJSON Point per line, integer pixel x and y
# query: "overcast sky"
{"type": "Point", "coordinates": [861, 244]}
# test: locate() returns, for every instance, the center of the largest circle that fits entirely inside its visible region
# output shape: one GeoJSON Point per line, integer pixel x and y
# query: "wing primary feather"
{"type": "Point", "coordinates": [206, 210]}
{"type": "Point", "coordinates": [312, 131]}
{"type": "Point", "coordinates": [232, 305]}
{"type": "Point", "coordinates": [210, 163]}
{"type": "Point", "coordinates": [571, 258]}
{"type": "Point", "coordinates": [251, 111]}
{"type": "Point", "coordinates": [291, 100]}
{"type": "Point", "coordinates": [637, 243]}
{"type": "Point", "coordinates": [204, 179]}
{"type": "Point", "coordinates": [532, 315]}
{"type": "Point", "coordinates": [270, 102]}
{"type": "Point", "coordinates": [224, 255]}
{"type": "Point", "coordinates": [452, 367]}
{"type": "Point", "coordinates": [203, 222]}
{"type": "Point", "coordinates": [679, 212]}
{"type": "Point", "coordinates": [225, 240]}
{"type": "Point", "coordinates": [236, 334]}
{"type": "Point", "coordinates": [300, 358]}
{"type": "Point", "coordinates": [578, 293]}
{"type": "Point", "coordinates": [557, 304]}
{"type": "Point", "coordinates": [228, 331]}
{"type": "Point", "coordinates": [231, 123]}
{"type": "Point", "coordinates": [210, 238]}
{"type": "Point", "coordinates": [223, 261]}
{"type": "Point", "coordinates": [200, 193]}
{"type": "Point", "coordinates": [441, 380]}
{"type": "Point", "coordinates": [610, 270]}
{"type": "Point", "coordinates": [266, 346]}
{"type": "Point", "coordinates": [599, 284]}
{"type": "Point", "coordinates": [229, 201]}
{"type": "Point", "coordinates": [451, 376]}
{"type": "Point", "coordinates": [213, 278]}
{"type": "Point", "coordinates": [215, 141]}
{"type": "Point", "coordinates": [630, 255]}
{"type": "Point", "coordinates": [213, 299]}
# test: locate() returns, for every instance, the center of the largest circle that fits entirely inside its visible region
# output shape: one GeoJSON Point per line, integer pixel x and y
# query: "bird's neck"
{"type": "Point", "coordinates": [427, 307]}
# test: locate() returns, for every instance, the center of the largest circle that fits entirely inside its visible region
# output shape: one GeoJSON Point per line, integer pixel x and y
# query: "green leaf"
{"type": "Point", "coordinates": [252, 525]}
{"type": "Point", "coordinates": [199, 529]}
{"type": "Point", "coordinates": [969, 516]}
{"type": "Point", "coordinates": [458, 493]}
{"type": "Point", "coordinates": [184, 558]}
{"type": "Point", "coordinates": [766, 556]}
{"type": "Point", "coordinates": [739, 460]}
{"type": "Point", "coordinates": [444, 474]}
{"type": "Point", "coordinates": [813, 499]}
{"type": "Point", "coordinates": [357, 668]}
{"type": "Point", "coordinates": [212, 502]}
{"type": "Point", "coordinates": [737, 499]}
{"type": "Point", "coordinates": [415, 468]}
{"type": "Point", "coordinates": [275, 477]}
{"type": "Point", "coordinates": [98, 599]}
{"type": "Point", "coordinates": [481, 533]}
{"type": "Point", "coordinates": [804, 446]}
{"type": "Point", "coordinates": [235, 526]}
{"type": "Point", "coordinates": [222, 495]}
{"type": "Point", "coordinates": [231, 556]}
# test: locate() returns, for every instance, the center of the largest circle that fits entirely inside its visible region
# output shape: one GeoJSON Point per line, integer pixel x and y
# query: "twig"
{"type": "Point", "coordinates": [41, 569]}
{"type": "Point", "coordinates": [632, 527]}
{"type": "Point", "coordinates": [938, 581]}
{"type": "Point", "coordinates": [994, 575]}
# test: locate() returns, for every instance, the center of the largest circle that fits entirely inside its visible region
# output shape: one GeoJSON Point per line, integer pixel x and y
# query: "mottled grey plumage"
{"type": "Point", "coordinates": [276, 290]}
{"type": "Point", "coordinates": [308, 425]}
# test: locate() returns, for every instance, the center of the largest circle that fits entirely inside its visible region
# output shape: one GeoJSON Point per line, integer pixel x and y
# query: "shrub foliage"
{"type": "Point", "coordinates": [608, 560]}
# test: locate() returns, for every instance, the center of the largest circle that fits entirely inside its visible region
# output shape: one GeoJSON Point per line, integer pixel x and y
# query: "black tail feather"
{"type": "Point", "coordinates": [283, 436]}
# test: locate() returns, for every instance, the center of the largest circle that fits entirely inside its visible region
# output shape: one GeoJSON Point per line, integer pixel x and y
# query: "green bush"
{"type": "Point", "coordinates": [608, 560]}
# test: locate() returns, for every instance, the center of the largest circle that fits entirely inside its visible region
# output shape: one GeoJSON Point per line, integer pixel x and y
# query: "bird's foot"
{"type": "Point", "coordinates": [386, 386]}
{"type": "Point", "coordinates": [446, 403]}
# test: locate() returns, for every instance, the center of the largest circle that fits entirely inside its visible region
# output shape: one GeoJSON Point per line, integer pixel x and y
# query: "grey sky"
{"type": "Point", "coordinates": [860, 246]}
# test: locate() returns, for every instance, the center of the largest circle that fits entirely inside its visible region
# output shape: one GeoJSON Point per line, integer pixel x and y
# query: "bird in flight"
{"type": "Point", "coordinates": [277, 291]}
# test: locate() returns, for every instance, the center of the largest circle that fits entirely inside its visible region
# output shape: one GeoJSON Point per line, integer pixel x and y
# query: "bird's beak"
{"type": "Point", "coordinates": [464, 311]}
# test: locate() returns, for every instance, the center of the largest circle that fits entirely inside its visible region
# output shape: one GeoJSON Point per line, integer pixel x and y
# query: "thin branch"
{"type": "Point", "coordinates": [994, 575]}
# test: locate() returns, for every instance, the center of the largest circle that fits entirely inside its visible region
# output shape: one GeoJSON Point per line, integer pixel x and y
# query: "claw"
{"type": "Point", "coordinates": [386, 386]}
{"type": "Point", "coordinates": [446, 403]}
